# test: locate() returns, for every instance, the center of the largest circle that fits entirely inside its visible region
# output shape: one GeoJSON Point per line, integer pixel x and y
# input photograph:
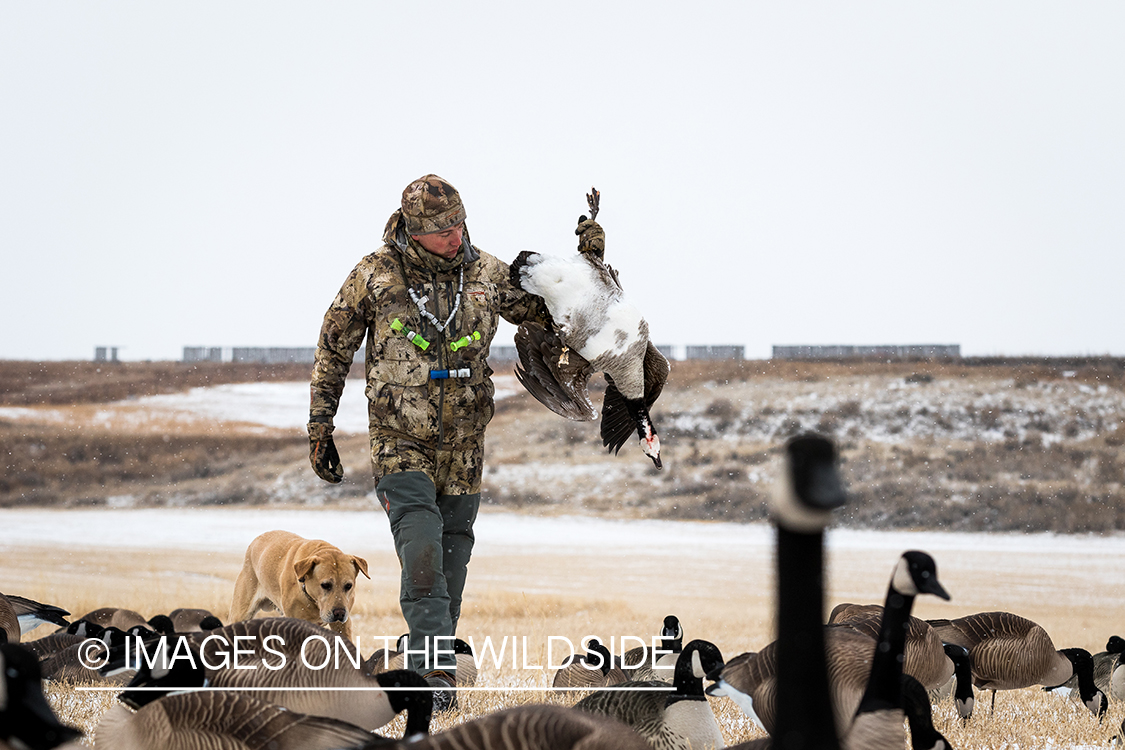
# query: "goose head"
{"type": "Point", "coordinates": [408, 691]}
{"type": "Point", "coordinates": [1083, 662]}
{"type": "Point", "coordinates": [672, 634]}
{"type": "Point", "coordinates": [650, 441]}
{"type": "Point", "coordinates": [698, 660]}
{"type": "Point", "coordinates": [604, 660]}
{"type": "Point", "coordinates": [916, 573]}
{"type": "Point", "coordinates": [962, 672]}
{"type": "Point", "coordinates": [810, 486]}
{"type": "Point", "coordinates": [162, 624]}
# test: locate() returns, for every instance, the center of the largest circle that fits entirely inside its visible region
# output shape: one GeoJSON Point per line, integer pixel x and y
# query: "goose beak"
{"type": "Point", "coordinates": [933, 586]}
{"type": "Point", "coordinates": [656, 460]}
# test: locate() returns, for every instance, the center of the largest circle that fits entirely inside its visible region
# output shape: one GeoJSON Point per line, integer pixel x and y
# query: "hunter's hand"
{"type": "Point", "coordinates": [323, 456]}
{"type": "Point", "coordinates": [591, 237]}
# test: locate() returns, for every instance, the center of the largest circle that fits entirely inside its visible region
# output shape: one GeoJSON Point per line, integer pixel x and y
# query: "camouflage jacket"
{"type": "Point", "coordinates": [403, 400]}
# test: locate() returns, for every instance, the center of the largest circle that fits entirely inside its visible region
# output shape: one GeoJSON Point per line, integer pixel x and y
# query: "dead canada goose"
{"type": "Point", "coordinates": [1008, 652]}
{"type": "Point", "coordinates": [641, 658]}
{"type": "Point", "coordinates": [925, 658]}
{"type": "Point", "coordinates": [26, 719]}
{"type": "Point", "coordinates": [529, 727]}
{"type": "Point", "coordinates": [30, 614]}
{"type": "Point", "coordinates": [680, 718]}
{"type": "Point", "coordinates": [117, 617]}
{"type": "Point", "coordinates": [809, 490]}
{"type": "Point", "coordinates": [593, 669]}
{"type": "Point", "coordinates": [594, 328]}
{"type": "Point", "coordinates": [216, 720]}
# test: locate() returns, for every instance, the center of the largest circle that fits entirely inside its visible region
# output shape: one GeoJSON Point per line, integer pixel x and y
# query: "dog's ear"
{"type": "Point", "coordinates": [303, 567]}
{"type": "Point", "coordinates": [360, 565]}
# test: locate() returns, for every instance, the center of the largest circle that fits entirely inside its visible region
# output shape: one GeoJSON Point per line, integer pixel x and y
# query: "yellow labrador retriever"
{"type": "Point", "coordinates": [305, 578]}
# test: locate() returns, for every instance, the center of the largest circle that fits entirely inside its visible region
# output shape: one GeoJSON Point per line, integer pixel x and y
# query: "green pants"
{"type": "Point", "coordinates": [434, 539]}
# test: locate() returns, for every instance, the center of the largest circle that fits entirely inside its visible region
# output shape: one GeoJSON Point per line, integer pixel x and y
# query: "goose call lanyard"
{"type": "Point", "coordinates": [421, 343]}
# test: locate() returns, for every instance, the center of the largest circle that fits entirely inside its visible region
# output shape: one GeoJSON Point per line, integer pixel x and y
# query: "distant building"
{"type": "Point", "coordinates": [105, 353]}
{"type": "Point", "coordinates": [724, 351]}
{"type": "Point", "coordinates": [203, 354]}
{"type": "Point", "coordinates": [268, 355]}
{"type": "Point", "coordinates": [502, 354]}
{"type": "Point", "coordinates": [910, 351]}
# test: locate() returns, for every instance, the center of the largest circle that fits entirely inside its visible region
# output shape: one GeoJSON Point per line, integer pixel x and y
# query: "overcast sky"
{"type": "Point", "coordinates": [207, 173]}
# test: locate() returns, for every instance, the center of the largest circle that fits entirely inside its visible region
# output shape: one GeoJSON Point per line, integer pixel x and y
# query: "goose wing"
{"type": "Point", "coordinates": [617, 424]}
{"type": "Point", "coordinates": [554, 375]}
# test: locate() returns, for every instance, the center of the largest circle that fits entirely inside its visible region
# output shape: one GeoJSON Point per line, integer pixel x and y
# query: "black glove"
{"type": "Point", "coordinates": [591, 237]}
{"type": "Point", "coordinates": [323, 455]}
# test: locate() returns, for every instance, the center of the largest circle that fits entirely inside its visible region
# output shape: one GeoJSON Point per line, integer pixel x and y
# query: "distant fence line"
{"type": "Point", "coordinates": [499, 354]}
{"type": "Point", "coordinates": [912, 351]}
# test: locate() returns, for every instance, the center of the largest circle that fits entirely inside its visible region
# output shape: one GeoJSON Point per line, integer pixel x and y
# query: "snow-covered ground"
{"type": "Point", "coordinates": [277, 405]}
{"type": "Point", "coordinates": [230, 529]}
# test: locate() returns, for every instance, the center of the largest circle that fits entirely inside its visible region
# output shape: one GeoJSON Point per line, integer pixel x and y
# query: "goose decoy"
{"type": "Point", "coordinates": [26, 719]}
{"type": "Point", "coordinates": [596, 668]}
{"type": "Point", "coordinates": [801, 509]}
{"type": "Point", "coordinates": [117, 617]}
{"type": "Point", "coordinates": [385, 660]}
{"type": "Point", "coordinates": [76, 632]}
{"type": "Point", "coordinates": [962, 682]}
{"type": "Point", "coordinates": [73, 663]}
{"type": "Point", "coordinates": [193, 620]}
{"type": "Point", "coordinates": [528, 727]}
{"type": "Point", "coordinates": [680, 718]}
{"type": "Point", "coordinates": [594, 328]}
{"type": "Point", "coordinates": [170, 719]}
{"type": "Point", "coordinates": [925, 657]}
{"type": "Point", "coordinates": [281, 646]}
{"type": "Point", "coordinates": [9, 622]}
{"type": "Point", "coordinates": [637, 663]}
{"type": "Point", "coordinates": [919, 714]}
{"type": "Point", "coordinates": [879, 719]}
{"type": "Point", "coordinates": [1008, 652]}
{"type": "Point", "coordinates": [1105, 662]}
{"type": "Point", "coordinates": [31, 614]}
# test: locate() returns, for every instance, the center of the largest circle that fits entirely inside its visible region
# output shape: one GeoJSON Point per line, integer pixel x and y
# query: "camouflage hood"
{"type": "Point", "coordinates": [394, 235]}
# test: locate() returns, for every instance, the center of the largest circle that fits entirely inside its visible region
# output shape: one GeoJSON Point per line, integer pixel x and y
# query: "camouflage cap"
{"type": "Point", "coordinates": [430, 204]}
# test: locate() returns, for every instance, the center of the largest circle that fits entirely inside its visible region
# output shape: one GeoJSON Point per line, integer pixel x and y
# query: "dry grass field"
{"type": "Point", "coordinates": [725, 597]}
{"type": "Point", "coordinates": [997, 446]}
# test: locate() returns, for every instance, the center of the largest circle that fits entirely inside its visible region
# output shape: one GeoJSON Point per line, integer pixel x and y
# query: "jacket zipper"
{"type": "Point", "coordinates": [441, 365]}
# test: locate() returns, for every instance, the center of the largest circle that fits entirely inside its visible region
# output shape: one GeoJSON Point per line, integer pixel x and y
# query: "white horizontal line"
{"type": "Point", "coordinates": [380, 689]}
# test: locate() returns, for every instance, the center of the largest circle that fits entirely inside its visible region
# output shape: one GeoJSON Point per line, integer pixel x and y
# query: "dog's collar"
{"type": "Point", "coordinates": [305, 592]}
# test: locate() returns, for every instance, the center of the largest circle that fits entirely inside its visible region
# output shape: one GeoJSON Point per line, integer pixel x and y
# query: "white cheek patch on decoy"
{"type": "Point", "coordinates": [791, 513]}
{"type": "Point", "coordinates": [902, 581]}
{"type": "Point", "coordinates": [697, 665]}
{"type": "Point", "coordinates": [741, 699]}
